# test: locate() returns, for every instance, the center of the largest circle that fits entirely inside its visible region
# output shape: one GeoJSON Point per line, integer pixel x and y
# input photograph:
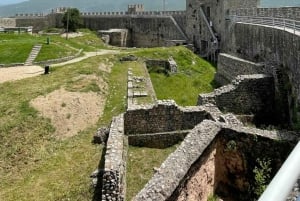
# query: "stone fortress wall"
{"type": "Point", "coordinates": [279, 50]}
{"type": "Point", "coordinates": [250, 49]}
{"type": "Point", "coordinates": [7, 22]}
{"type": "Point", "coordinates": [292, 13]}
{"type": "Point", "coordinates": [146, 28]}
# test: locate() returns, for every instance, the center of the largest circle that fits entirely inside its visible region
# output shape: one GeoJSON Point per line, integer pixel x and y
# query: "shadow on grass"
{"type": "Point", "coordinates": [98, 189]}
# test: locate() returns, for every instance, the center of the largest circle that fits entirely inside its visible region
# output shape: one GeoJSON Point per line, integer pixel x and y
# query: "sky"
{"type": "Point", "coordinates": [5, 2]}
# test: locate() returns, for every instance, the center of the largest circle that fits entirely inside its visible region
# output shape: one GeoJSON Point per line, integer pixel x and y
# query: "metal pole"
{"type": "Point", "coordinates": [68, 18]}
{"type": "Point", "coordinates": [164, 5]}
{"type": "Point", "coordinates": [285, 179]}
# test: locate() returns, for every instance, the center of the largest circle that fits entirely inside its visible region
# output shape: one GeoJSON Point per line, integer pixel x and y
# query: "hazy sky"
{"type": "Point", "coordinates": [5, 2]}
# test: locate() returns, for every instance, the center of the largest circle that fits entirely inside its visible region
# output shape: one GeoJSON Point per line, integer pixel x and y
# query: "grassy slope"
{"type": "Point", "coordinates": [194, 76]}
{"type": "Point", "coordinates": [30, 158]}
{"type": "Point", "coordinates": [15, 48]}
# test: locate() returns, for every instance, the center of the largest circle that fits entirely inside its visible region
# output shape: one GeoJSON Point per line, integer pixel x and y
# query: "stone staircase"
{"type": "Point", "coordinates": [33, 54]}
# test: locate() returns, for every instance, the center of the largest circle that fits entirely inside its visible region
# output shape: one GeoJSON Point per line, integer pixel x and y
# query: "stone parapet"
{"type": "Point", "coordinates": [113, 186]}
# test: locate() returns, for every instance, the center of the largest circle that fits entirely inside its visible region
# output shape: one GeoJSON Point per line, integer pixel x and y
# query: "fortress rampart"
{"type": "Point", "coordinates": [284, 12]}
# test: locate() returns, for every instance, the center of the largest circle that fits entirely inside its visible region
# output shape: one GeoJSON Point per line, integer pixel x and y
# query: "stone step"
{"type": "Point", "coordinates": [33, 54]}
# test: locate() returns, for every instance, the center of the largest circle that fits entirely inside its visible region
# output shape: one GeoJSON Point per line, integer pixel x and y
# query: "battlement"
{"type": "Point", "coordinates": [30, 15]}
{"type": "Point", "coordinates": [139, 13]}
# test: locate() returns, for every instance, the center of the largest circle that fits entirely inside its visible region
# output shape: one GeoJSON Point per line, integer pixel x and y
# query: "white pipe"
{"type": "Point", "coordinates": [285, 179]}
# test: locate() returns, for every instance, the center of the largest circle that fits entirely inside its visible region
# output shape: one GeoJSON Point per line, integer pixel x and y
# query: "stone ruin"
{"type": "Point", "coordinates": [213, 143]}
{"type": "Point", "coordinates": [169, 65]}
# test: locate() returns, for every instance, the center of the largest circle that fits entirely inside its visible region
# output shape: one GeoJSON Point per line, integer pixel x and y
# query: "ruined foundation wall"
{"type": "Point", "coordinates": [247, 94]}
{"type": "Point", "coordinates": [173, 170]}
{"type": "Point", "coordinates": [165, 116]}
{"type": "Point", "coordinates": [229, 67]}
{"type": "Point", "coordinates": [217, 144]}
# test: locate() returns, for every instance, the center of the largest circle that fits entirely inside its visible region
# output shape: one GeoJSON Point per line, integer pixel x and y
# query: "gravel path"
{"type": "Point", "coordinates": [21, 72]}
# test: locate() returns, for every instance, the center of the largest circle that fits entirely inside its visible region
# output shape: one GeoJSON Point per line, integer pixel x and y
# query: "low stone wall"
{"type": "Point", "coordinates": [164, 116]}
{"type": "Point", "coordinates": [229, 67]}
{"type": "Point", "coordinates": [169, 65]}
{"type": "Point", "coordinates": [157, 140]}
{"type": "Point", "coordinates": [247, 94]}
{"type": "Point", "coordinates": [114, 184]}
{"type": "Point", "coordinates": [11, 65]}
{"type": "Point", "coordinates": [171, 178]}
{"type": "Point", "coordinates": [173, 170]}
{"type": "Point", "coordinates": [59, 60]}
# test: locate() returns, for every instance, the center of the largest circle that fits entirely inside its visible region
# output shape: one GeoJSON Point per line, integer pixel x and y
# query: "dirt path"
{"type": "Point", "coordinates": [88, 55]}
{"type": "Point", "coordinates": [21, 72]}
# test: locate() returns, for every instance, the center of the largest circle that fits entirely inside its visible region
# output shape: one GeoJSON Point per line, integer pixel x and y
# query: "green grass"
{"type": "Point", "coordinates": [15, 48]}
{"type": "Point", "coordinates": [140, 164]}
{"type": "Point", "coordinates": [33, 164]}
{"type": "Point", "coordinates": [194, 75]}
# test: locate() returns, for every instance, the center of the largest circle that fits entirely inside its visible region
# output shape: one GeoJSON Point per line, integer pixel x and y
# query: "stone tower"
{"type": "Point", "coordinates": [206, 23]}
{"type": "Point", "coordinates": [135, 8]}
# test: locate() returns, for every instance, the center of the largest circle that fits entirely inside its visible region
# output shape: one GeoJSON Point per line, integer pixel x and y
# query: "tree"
{"type": "Point", "coordinates": [72, 20]}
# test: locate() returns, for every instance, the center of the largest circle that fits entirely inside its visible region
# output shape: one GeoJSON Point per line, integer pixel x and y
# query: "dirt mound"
{"type": "Point", "coordinates": [71, 112]}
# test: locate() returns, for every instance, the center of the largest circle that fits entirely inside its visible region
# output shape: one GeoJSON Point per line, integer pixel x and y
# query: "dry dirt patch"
{"type": "Point", "coordinates": [71, 112]}
{"type": "Point", "coordinates": [19, 72]}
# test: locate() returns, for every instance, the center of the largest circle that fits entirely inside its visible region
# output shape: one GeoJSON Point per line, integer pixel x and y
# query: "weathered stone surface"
{"type": "Point", "coordinates": [117, 37]}
{"type": "Point", "coordinates": [229, 67]}
{"type": "Point", "coordinates": [231, 143]}
{"type": "Point", "coordinates": [282, 12]}
{"type": "Point", "coordinates": [114, 167]}
{"type": "Point", "coordinates": [101, 135]}
{"type": "Point", "coordinates": [173, 170]}
{"type": "Point", "coordinates": [164, 116]}
{"type": "Point", "coordinates": [247, 94]}
{"type": "Point", "coordinates": [169, 65]}
{"type": "Point", "coordinates": [157, 140]}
